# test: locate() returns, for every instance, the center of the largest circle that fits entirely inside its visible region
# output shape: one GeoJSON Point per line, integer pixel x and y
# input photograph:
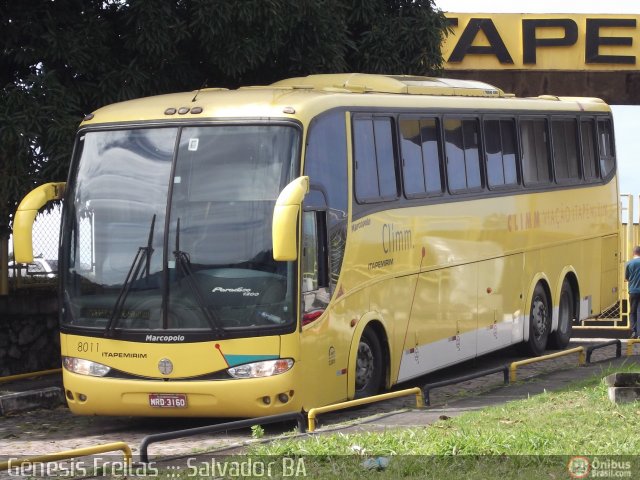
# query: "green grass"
{"type": "Point", "coordinates": [526, 439]}
{"type": "Point", "coordinates": [520, 439]}
{"type": "Point", "coordinates": [577, 420]}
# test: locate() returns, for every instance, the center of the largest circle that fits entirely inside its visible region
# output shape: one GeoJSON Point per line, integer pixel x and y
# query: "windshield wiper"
{"type": "Point", "coordinates": [183, 263]}
{"type": "Point", "coordinates": [142, 258]}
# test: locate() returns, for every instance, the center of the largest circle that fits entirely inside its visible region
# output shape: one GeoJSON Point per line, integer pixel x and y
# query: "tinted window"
{"type": "Point", "coordinates": [431, 154]}
{"type": "Point", "coordinates": [326, 166]}
{"type": "Point", "coordinates": [463, 158]}
{"type": "Point", "coordinates": [535, 154]}
{"type": "Point", "coordinates": [326, 159]}
{"type": "Point", "coordinates": [605, 141]}
{"type": "Point", "coordinates": [375, 177]}
{"type": "Point", "coordinates": [386, 159]}
{"type": "Point", "coordinates": [589, 153]}
{"type": "Point", "coordinates": [366, 170]}
{"type": "Point", "coordinates": [500, 148]}
{"type": "Point", "coordinates": [420, 157]}
{"type": "Point", "coordinates": [565, 150]}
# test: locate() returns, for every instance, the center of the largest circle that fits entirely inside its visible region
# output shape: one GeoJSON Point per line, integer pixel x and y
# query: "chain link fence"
{"type": "Point", "coordinates": [44, 268]}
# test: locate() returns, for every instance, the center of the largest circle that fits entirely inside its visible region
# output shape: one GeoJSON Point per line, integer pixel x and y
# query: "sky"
{"type": "Point", "coordinates": [626, 118]}
{"type": "Point", "coordinates": [539, 6]}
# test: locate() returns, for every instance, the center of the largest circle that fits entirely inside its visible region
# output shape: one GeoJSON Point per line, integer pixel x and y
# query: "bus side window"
{"type": "Point", "coordinates": [431, 148]}
{"type": "Point", "coordinates": [420, 145]}
{"type": "Point", "coordinates": [462, 145]}
{"type": "Point", "coordinates": [501, 152]}
{"type": "Point", "coordinates": [565, 150]}
{"type": "Point", "coordinates": [375, 176]}
{"type": "Point", "coordinates": [326, 166]}
{"type": "Point", "coordinates": [589, 153]}
{"type": "Point", "coordinates": [607, 153]}
{"type": "Point", "coordinates": [315, 271]}
{"type": "Point", "coordinates": [535, 152]}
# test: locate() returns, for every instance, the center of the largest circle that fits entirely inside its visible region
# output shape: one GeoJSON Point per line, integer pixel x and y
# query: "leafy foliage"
{"type": "Point", "coordinates": [61, 59]}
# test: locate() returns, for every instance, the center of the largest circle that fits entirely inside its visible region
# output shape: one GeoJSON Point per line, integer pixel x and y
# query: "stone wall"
{"type": "Point", "coordinates": [29, 334]}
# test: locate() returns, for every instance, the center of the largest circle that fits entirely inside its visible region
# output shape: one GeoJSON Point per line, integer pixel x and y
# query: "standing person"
{"type": "Point", "coordinates": [632, 276]}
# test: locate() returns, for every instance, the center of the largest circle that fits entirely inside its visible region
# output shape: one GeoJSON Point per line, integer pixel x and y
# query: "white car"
{"type": "Point", "coordinates": [38, 268]}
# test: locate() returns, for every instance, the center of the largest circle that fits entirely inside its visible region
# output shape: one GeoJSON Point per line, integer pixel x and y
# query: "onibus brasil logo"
{"type": "Point", "coordinates": [579, 467]}
{"type": "Point", "coordinates": [583, 467]}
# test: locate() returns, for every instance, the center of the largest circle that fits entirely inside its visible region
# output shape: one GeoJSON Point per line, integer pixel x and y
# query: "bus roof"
{"type": "Point", "coordinates": [403, 84]}
{"type": "Point", "coordinates": [307, 96]}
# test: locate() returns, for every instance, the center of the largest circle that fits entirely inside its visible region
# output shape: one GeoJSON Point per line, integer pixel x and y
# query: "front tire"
{"type": "Point", "coordinates": [539, 321]}
{"type": "Point", "coordinates": [369, 369]}
{"type": "Point", "coordinates": [566, 315]}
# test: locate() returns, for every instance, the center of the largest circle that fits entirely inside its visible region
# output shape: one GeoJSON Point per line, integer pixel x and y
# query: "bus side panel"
{"type": "Point", "coordinates": [588, 272]}
{"type": "Point", "coordinates": [610, 260]}
{"type": "Point", "coordinates": [392, 298]}
{"type": "Point", "coordinates": [499, 303]}
{"type": "Point", "coordinates": [324, 352]}
{"type": "Point", "coordinates": [443, 326]}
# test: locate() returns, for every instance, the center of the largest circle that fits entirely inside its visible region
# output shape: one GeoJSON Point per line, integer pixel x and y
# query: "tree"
{"type": "Point", "coordinates": [61, 59]}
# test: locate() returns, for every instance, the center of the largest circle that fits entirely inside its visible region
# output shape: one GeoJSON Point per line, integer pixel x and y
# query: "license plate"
{"type": "Point", "coordinates": [167, 400]}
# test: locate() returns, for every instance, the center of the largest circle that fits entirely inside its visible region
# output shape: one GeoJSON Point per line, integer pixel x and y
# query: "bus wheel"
{"type": "Point", "coordinates": [368, 365]}
{"type": "Point", "coordinates": [539, 321]}
{"type": "Point", "coordinates": [566, 315]}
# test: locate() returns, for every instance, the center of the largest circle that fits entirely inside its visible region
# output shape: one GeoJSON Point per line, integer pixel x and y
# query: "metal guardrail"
{"type": "Point", "coordinates": [430, 386]}
{"type": "Point", "coordinates": [22, 376]}
{"type": "Point", "coordinates": [363, 401]}
{"type": "Point", "coordinates": [78, 452]}
{"type": "Point", "coordinates": [630, 343]}
{"type": "Point", "coordinates": [221, 427]}
{"type": "Point", "coordinates": [519, 363]}
{"type": "Point", "coordinates": [617, 343]}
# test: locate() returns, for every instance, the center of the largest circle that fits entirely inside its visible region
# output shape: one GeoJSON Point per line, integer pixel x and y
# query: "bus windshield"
{"type": "Point", "coordinates": [170, 229]}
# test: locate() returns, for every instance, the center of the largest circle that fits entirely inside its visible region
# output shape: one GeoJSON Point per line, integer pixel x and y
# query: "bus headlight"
{"type": "Point", "coordinates": [85, 367]}
{"type": "Point", "coordinates": [267, 368]}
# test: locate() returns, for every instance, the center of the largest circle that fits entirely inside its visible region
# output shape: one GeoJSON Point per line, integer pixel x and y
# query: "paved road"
{"type": "Point", "coordinates": [47, 431]}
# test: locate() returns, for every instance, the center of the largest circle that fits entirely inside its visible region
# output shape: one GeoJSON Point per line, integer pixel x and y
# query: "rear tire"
{"type": "Point", "coordinates": [539, 322]}
{"type": "Point", "coordinates": [369, 369]}
{"type": "Point", "coordinates": [561, 337]}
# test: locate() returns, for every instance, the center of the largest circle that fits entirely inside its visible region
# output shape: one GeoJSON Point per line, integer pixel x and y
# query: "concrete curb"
{"type": "Point", "coordinates": [49, 397]}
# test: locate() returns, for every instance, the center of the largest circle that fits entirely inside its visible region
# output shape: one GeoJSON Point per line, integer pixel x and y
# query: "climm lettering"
{"type": "Point", "coordinates": [395, 240]}
{"type": "Point", "coordinates": [523, 221]}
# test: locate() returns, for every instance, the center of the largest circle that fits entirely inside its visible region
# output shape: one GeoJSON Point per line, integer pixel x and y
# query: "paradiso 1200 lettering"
{"type": "Point", "coordinates": [246, 292]}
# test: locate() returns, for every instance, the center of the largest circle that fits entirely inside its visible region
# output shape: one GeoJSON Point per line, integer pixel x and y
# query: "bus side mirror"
{"type": "Point", "coordinates": [284, 232]}
{"type": "Point", "coordinates": [26, 215]}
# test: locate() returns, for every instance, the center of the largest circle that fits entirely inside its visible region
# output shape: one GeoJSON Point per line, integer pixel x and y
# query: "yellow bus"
{"type": "Point", "coordinates": [249, 252]}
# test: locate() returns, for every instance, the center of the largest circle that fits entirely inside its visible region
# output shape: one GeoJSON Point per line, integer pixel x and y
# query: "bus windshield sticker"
{"type": "Point", "coordinates": [193, 144]}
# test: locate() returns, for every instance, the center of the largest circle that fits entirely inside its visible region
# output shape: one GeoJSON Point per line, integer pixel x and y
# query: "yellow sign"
{"type": "Point", "coordinates": [502, 41]}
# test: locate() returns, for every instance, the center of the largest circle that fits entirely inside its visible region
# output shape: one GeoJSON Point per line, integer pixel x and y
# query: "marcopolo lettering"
{"type": "Point", "coordinates": [164, 338]}
{"type": "Point", "coordinates": [547, 33]}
